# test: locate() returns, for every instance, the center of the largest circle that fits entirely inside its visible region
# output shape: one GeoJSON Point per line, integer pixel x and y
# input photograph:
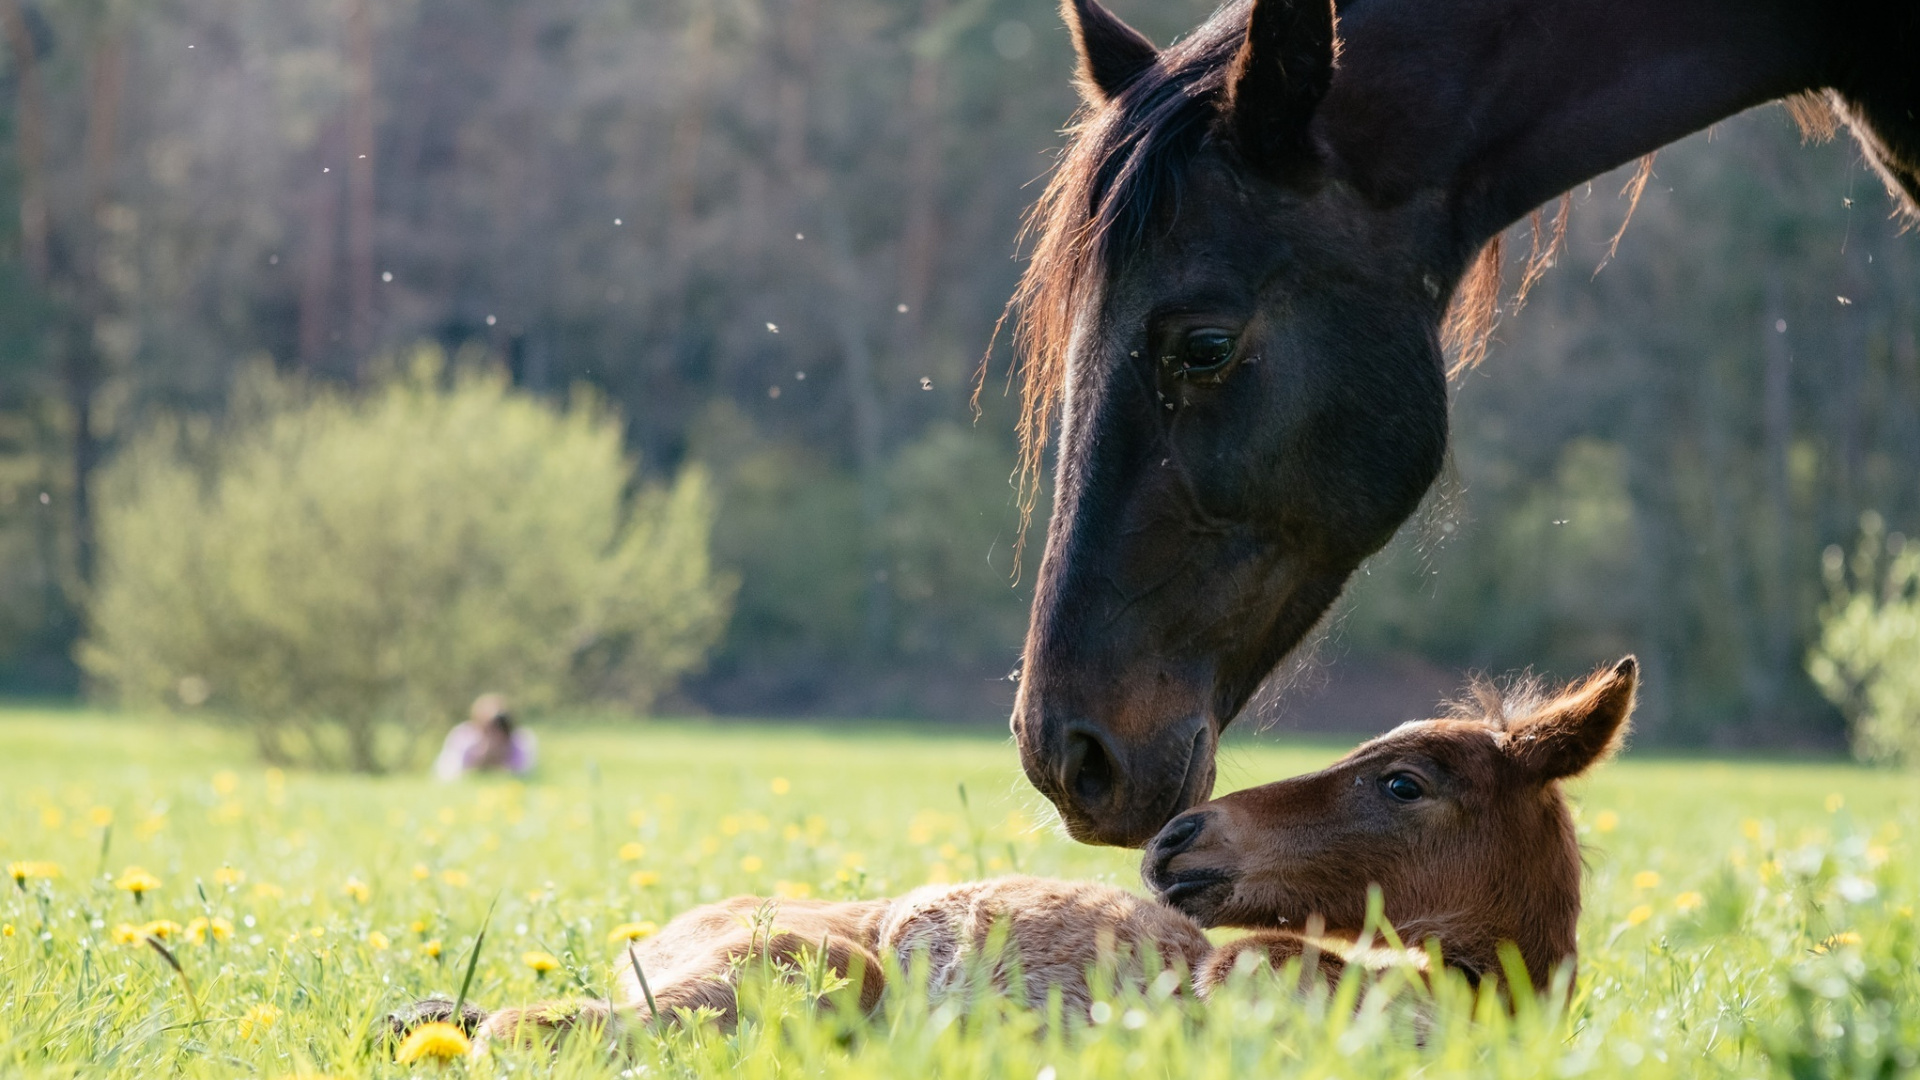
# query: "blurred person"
{"type": "Point", "coordinates": [487, 740]}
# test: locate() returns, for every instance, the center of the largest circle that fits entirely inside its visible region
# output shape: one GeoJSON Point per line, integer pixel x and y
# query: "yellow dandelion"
{"type": "Point", "coordinates": [356, 889]}
{"type": "Point", "coordinates": [633, 931]}
{"type": "Point", "coordinates": [540, 962]}
{"type": "Point", "coordinates": [792, 890]}
{"type": "Point", "coordinates": [751, 864]}
{"type": "Point", "coordinates": [164, 929]}
{"type": "Point", "coordinates": [1750, 828]}
{"type": "Point", "coordinates": [632, 851]}
{"type": "Point", "coordinates": [420, 872]}
{"type": "Point", "coordinates": [643, 879]}
{"type": "Point", "coordinates": [257, 1019]}
{"type": "Point", "coordinates": [436, 1042]}
{"type": "Point", "coordinates": [779, 785]}
{"type": "Point", "coordinates": [136, 881]}
{"type": "Point", "coordinates": [229, 877]}
{"type": "Point", "coordinates": [1606, 821]}
{"type": "Point", "coordinates": [1835, 801]}
{"type": "Point", "coordinates": [6, 929]}
{"type": "Point", "coordinates": [418, 926]}
{"type": "Point", "coordinates": [1839, 940]}
{"type": "Point", "coordinates": [1646, 879]}
{"type": "Point", "coordinates": [378, 942]}
{"type": "Point", "coordinates": [100, 816]}
{"type": "Point", "coordinates": [1639, 914]}
{"type": "Point", "coordinates": [32, 870]}
{"type": "Point", "coordinates": [127, 934]}
{"type": "Point", "coordinates": [202, 930]}
{"type": "Point", "coordinates": [459, 879]}
{"type": "Point", "coordinates": [431, 948]}
{"type": "Point", "coordinates": [1688, 901]}
{"type": "Point", "coordinates": [225, 782]}
{"type": "Point", "coordinates": [268, 891]}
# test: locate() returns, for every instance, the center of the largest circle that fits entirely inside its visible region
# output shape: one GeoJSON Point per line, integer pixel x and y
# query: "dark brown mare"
{"type": "Point", "coordinates": [1236, 298]}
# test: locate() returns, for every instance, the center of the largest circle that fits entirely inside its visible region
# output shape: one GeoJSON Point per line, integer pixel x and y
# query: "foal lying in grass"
{"type": "Point", "coordinates": [1459, 821]}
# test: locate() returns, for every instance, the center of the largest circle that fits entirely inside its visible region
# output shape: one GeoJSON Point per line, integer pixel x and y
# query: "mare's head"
{"type": "Point", "coordinates": [1242, 344]}
{"type": "Point", "coordinates": [1460, 822]}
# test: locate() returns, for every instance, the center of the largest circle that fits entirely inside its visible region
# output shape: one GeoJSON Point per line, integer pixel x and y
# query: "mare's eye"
{"type": "Point", "coordinates": [1403, 787]}
{"type": "Point", "coordinates": [1204, 352]}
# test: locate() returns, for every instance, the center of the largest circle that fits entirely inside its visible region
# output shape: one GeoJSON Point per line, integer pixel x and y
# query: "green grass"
{"type": "Point", "coordinates": [1711, 887]}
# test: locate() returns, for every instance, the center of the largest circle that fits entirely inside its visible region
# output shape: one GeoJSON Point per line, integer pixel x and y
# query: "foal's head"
{"type": "Point", "coordinates": [1459, 821]}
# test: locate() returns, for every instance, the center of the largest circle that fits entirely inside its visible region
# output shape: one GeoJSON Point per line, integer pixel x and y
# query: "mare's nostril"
{"type": "Point", "coordinates": [1087, 771]}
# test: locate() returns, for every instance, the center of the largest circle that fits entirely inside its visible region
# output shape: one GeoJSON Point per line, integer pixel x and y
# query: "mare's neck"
{"type": "Point", "coordinates": [1496, 106]}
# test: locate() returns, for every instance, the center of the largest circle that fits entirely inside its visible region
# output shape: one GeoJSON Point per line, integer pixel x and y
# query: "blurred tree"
{"type": "Point", "coordinates": [343, 574]}
{"type": "Point", "coordinates": [1867, 658]}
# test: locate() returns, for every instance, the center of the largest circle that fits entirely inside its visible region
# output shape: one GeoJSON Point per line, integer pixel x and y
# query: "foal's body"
{"type": "Point", "coordinates": [1459, 822]}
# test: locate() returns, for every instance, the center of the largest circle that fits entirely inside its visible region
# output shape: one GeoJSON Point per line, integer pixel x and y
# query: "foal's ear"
{"type": "Point", "coordinates": [1111, 52]}
{"type": "Point", "coordinates": [1282, 71]}
{"type": "Point", "coordinates": [1579, 728]}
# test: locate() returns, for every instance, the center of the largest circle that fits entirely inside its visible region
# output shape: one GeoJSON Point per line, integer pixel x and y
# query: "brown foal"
{"type": "Point", "coordinates": [1459, 822]}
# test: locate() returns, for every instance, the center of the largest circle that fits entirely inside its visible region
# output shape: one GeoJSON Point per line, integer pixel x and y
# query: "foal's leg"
{"type": "Point", "coordinates": [708, 985]}
{"type": "Point", "coordinates": [1270, 949]}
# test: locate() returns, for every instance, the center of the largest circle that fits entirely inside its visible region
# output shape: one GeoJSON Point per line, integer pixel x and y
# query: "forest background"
{"type": "Point", "coordinates": [777, 235]}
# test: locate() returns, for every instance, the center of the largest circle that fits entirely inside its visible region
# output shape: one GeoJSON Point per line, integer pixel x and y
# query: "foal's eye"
{"type": "Point", "coordinates": [1403, 787]}
{"type": "Point", "coordinates": [1203, 352]}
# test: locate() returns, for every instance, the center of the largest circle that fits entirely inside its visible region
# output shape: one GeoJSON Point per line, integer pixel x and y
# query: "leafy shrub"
{"type": "Point", "coordinates": [342, 574]}
{"type": "Point", "coordinates": [1867, 660]}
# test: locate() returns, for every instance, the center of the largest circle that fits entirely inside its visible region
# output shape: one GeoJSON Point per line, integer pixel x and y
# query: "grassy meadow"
{"type": "Point", "coordinates": [1743, 918]}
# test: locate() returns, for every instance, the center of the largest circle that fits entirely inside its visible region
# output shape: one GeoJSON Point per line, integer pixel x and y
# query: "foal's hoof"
{"type": "Point", "coordinates": [433, 1010]}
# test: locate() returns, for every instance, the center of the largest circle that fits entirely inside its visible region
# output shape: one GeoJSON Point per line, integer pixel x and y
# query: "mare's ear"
{"type": "Point", "coordinates": [1111, 52]}
{"type": "Point", "coordinates": [1282, 71]}
{"type": "Point", "coordinates": [1579, 728]}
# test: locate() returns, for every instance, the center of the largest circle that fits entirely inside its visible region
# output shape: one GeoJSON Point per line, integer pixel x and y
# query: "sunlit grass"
{"type": "Point", "coordinates": [1741, 918]}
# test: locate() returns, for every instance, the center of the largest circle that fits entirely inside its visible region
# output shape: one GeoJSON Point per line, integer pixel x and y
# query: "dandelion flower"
{"type": "Point", "coordinates": [225, 781]}
{"type": "Point", "coordinates": [1750, 828]}
{"type": "Point", "coordinates": [6, 929]}
{"type": "Point", "coordinates": [229, 877]}
{"type": "Point", "coordinates": [1688, 901]}
{"type": "Point", "coordinates": [257, 1019]}
{"type": "Point", "coordinates": [540, 962]}
{"type": "Point", "coordinates": [1606, 821]}
{"type": "Point", "coordinates": [633, 931]}
{"type": "Point", "coordinates": [643, 879]}
{"type": "Point", "coordinates": [137, 881]}
{"type": "Point", "coordinates": [378, 942]}
{"type": "Point", "coordinates": [1835, 801]}
{"type": "Point", "coordinates": [418, 926]}
{"type": "Point", "coordinates": [751, 864]}
{"type": "Point", "coordinates": [32, 870]}
{"type": "Point", "coordinates": [436, 1042]}
{"type": "Point", "coordinates": [1835, 941]}
{"type": "Point", "coordinates": [266, 890]}
{"type": "Point", "coordinates": [201, 930]}
{"type": "Point", "coordinates": [1646, 879]}
{"type": "Point", "coordinates": [792, 890]}
{"type": "Point", "coordinates": [356, 889]}
{"type": "Point", "coordinates": [632, 851]}
{"type": "Point", "coordinates": [164, 929]}
{"type": "Point", "coordinates": [779, 785]}
{"type": "Point", "coordinates": [1639, 914]}
{"type": "Point", "coordinates": [127, 934]}
{"type": "Point", "coordinates": [459, 879]}
{"type": "Point", "coordinates": [431, 948]}
{"type": "Point", "coordinates": [420, 872]}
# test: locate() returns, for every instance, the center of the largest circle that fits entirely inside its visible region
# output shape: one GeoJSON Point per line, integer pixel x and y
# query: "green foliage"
{"type": "Point", "coordinates": [343, 573]}
{"type": "Point", "coordinates": [1741, 920]}
{"type": "Point", "coordinates": [1867, 659]}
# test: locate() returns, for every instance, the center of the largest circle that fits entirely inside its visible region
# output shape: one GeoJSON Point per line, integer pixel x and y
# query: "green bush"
{"type": "Point", "coordinates": [343, 573]}
{"type": "Point", "coordinates": [1867, 660]}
